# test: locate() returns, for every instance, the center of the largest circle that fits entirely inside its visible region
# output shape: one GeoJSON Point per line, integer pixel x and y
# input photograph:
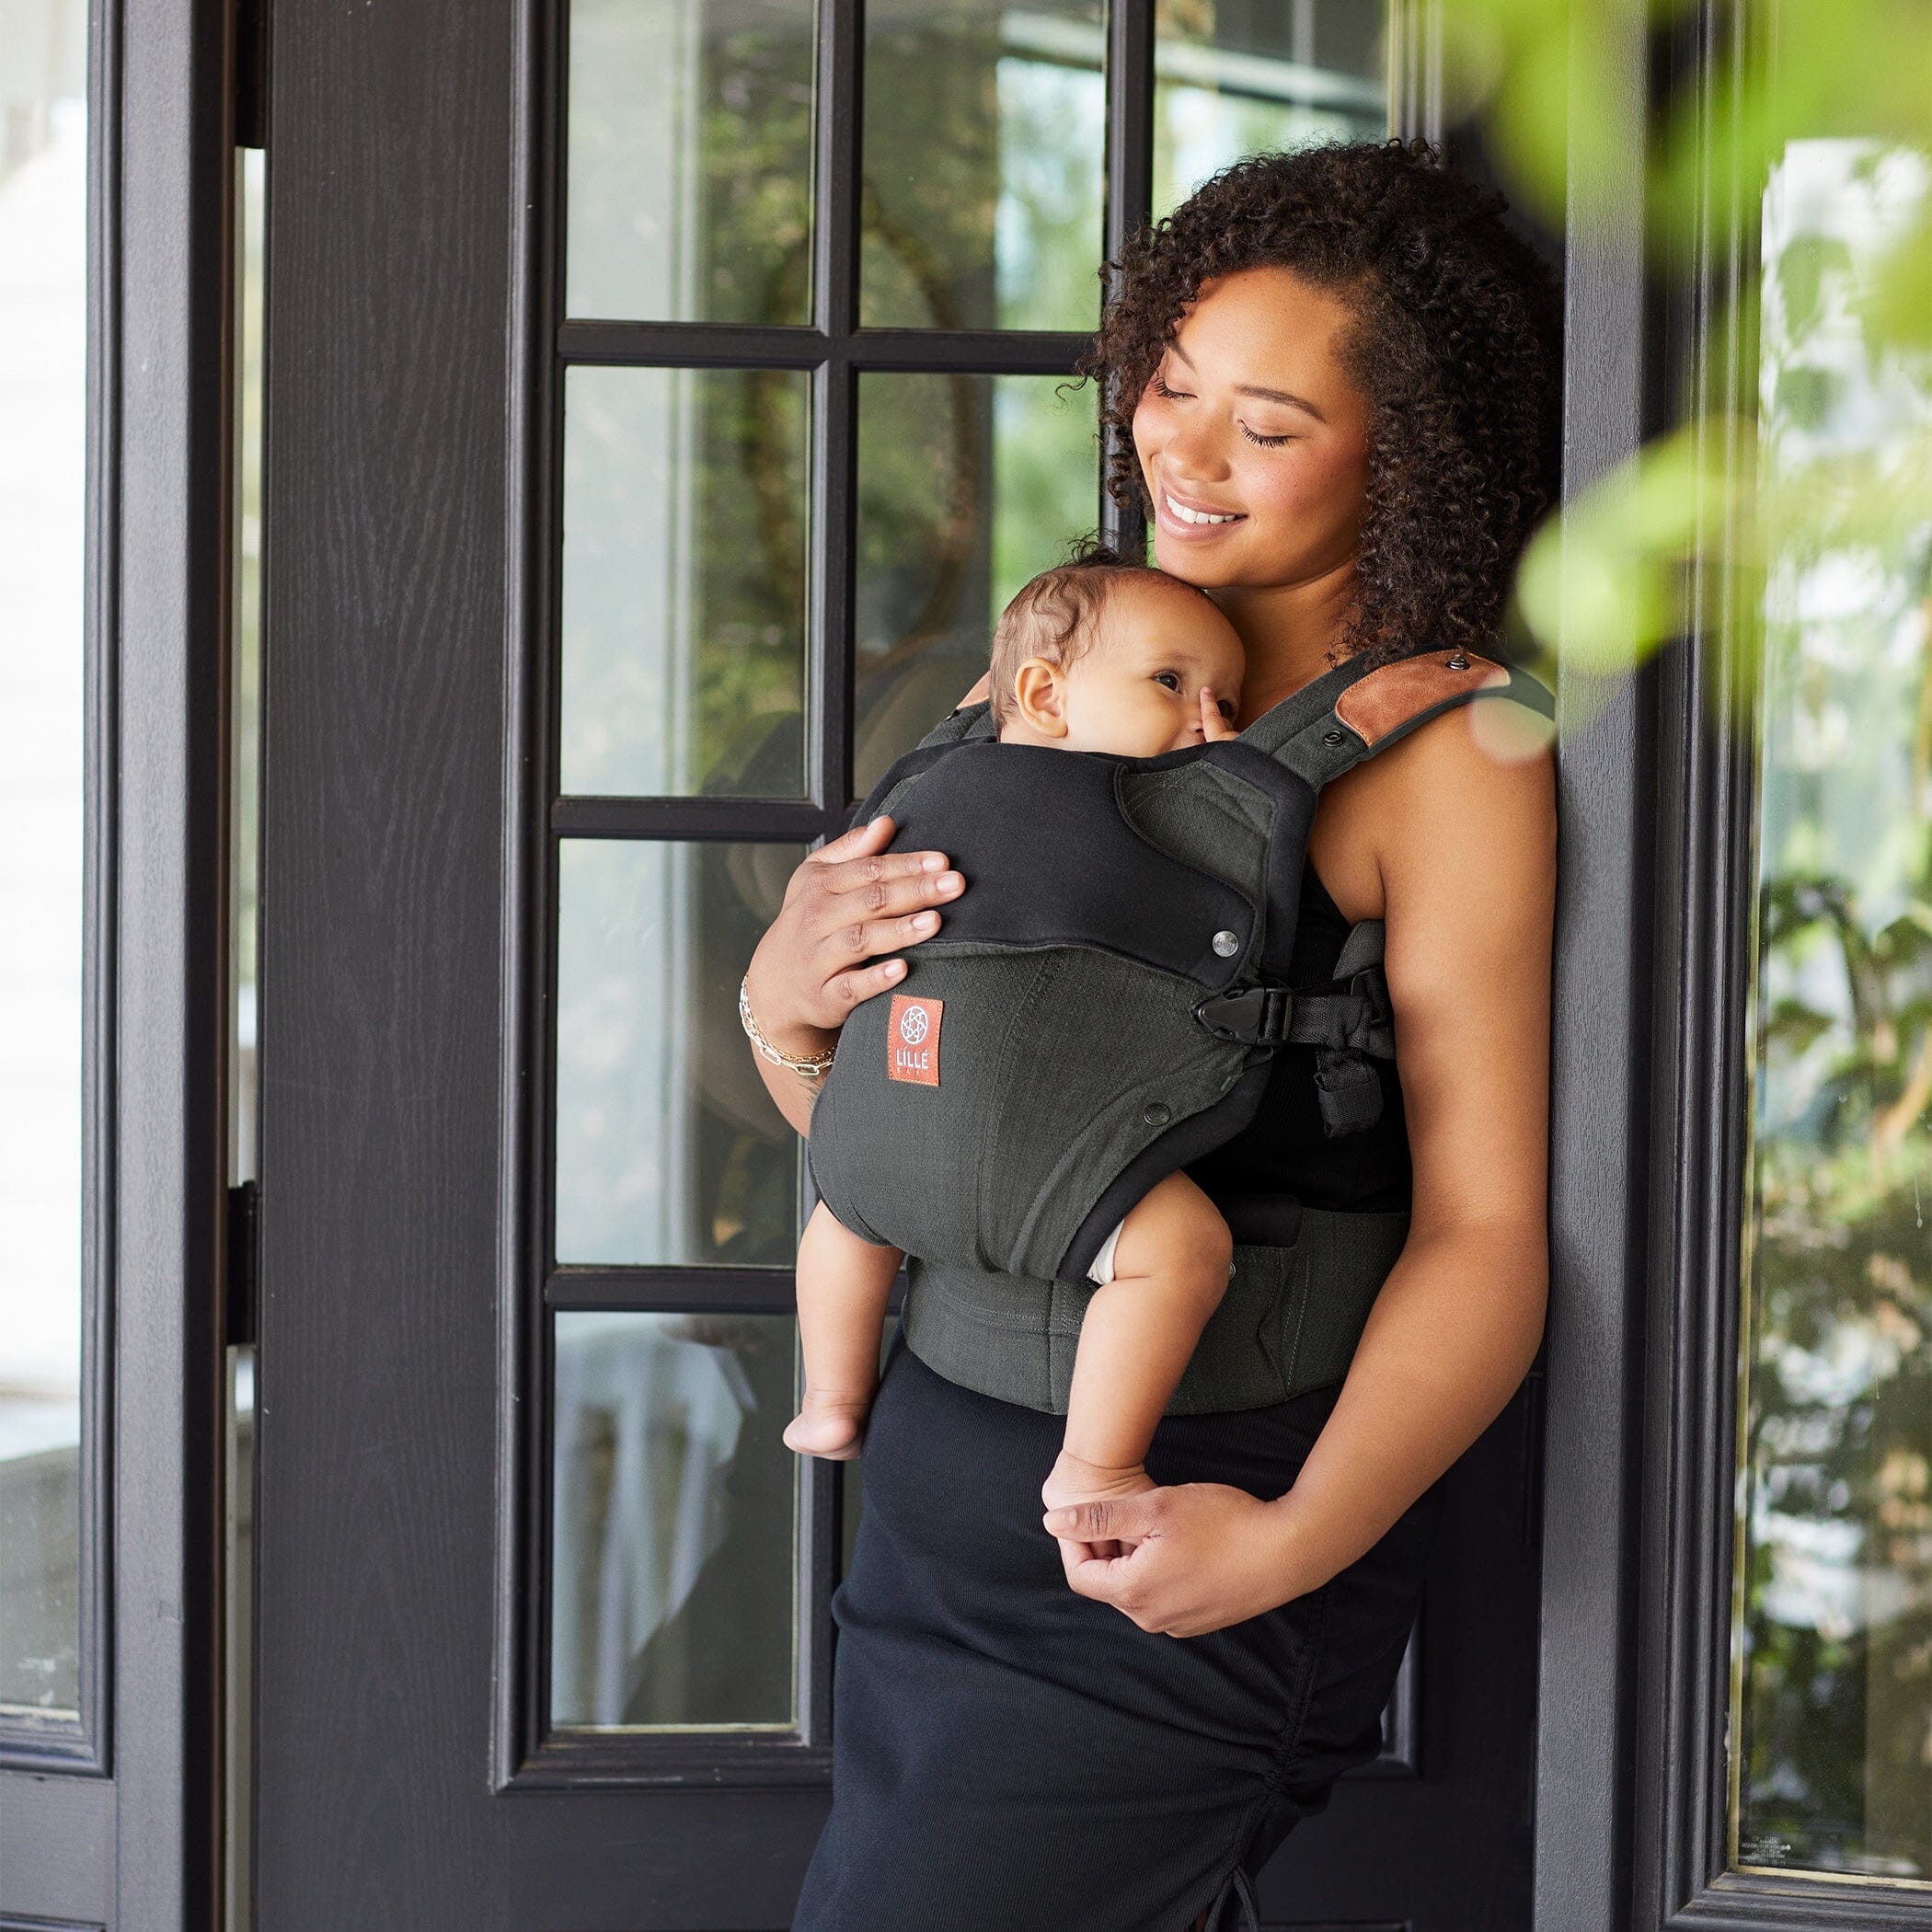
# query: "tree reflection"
{"type": "Point", "coordinates": [1837, 1633]}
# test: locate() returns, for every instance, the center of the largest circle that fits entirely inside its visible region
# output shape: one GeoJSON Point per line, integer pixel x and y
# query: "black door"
{"type": "Point", "coordinates": [662, 395]}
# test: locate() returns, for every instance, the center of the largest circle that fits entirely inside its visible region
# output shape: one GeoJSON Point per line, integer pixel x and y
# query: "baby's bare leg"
{"type": "Point", "coordinates": [1170, 1271]}
{"type": "Point", "coordinates": [844, 1286]}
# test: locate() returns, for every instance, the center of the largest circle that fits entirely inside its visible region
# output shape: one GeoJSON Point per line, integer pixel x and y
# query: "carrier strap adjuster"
{"type": "Point", "coordinates": [1249, 1016]}
{"type": "Point", "coordinates": [1273, 1016]}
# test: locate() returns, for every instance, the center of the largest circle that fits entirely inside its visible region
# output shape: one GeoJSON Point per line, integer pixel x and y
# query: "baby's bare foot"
{"type": "Point", "coordinates": [831, 1426]}
{"type": "Point", "coordinates": [1073, 1480]}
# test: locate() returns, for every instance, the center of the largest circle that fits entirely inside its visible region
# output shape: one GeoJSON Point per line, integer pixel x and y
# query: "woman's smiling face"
{"type": "Point", "coordinates": [1252, 438]}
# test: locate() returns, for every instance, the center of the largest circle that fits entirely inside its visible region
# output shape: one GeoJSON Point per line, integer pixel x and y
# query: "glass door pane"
{"type": "Point", "coordinates": [674, 1523]}
{"type": "Point", "coordinates": [983, 173]}
{"type": "Point", "coordinates": [43, 404]}
{"type": "Point", "coordinates": [669, 1150]}
{"type": "Point", "coordinates": [1836, 1644]}
{"type": "Point", "coordinates": [1235, 80]}
{"type": "Point", "coordinates": [689, 170]}
{"type": "Point", "coordinates": [968, 485]}
{"type": "Point", "coordinates": [683, 582]}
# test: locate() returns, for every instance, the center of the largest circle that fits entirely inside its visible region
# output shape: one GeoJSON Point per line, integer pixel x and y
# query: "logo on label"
{"type": "Point", "coordinates": [913, 1041]}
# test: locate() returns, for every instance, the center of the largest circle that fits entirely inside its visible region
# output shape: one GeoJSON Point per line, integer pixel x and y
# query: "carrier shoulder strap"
{"type": "Point", "coordinates": [1349, 713]}
{"type": "Point", "coordinates": [974, 720]}
{"type": "Point", "coordinates": [1354, 710]}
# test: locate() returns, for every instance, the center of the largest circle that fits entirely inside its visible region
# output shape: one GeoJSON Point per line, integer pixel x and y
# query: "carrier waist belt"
{"type": "Point", "coordinates": [1288, 1323]}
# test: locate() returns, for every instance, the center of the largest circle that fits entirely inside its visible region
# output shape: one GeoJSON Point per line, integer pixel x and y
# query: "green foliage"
{"type": "Point", "coordinates": [1686, 531]}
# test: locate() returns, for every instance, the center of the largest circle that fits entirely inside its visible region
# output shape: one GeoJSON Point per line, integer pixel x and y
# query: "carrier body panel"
{"type": "Point", "coordinates": [1061, 1064]}
{"type": "Point", "coordinates": [1101, 1007]}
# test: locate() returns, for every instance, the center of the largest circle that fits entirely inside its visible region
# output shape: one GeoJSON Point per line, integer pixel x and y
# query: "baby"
{"type": "Point", "coordinates": [1093, 656]}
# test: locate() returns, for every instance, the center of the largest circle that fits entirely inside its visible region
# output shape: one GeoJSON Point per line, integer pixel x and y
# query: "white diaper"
{"type": "Point", "coordinates": [1102, 1269]}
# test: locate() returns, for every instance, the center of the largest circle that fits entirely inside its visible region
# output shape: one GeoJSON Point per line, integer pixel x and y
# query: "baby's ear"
{"type": "Point", "coordinates": [1039, 697]}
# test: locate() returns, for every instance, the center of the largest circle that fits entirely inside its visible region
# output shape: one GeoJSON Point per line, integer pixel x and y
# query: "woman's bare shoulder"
{"type": "Point", "coordinates": [1462, 802]}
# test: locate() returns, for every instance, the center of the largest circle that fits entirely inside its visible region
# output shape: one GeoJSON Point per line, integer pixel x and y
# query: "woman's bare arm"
{"type": "Point", "coordinates": [1467, 855]}
{"type": "Point", "coordinates": [1467, 849]}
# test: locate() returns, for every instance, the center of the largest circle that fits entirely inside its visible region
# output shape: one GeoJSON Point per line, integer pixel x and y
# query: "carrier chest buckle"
{"type": "Point", "coordinates": [1251, 1015]}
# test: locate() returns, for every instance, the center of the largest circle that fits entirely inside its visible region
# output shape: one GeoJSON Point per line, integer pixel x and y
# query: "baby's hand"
{"type": "Point", "coordinates": [1213, 727]}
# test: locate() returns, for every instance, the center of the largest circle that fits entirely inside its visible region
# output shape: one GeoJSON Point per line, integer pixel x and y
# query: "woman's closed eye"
{"type": "Point", "coordinates": [1267, 443]}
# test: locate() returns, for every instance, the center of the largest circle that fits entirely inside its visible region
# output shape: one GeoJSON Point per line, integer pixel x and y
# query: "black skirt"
{"type": "Point", "coordinates": [1010, 1757]}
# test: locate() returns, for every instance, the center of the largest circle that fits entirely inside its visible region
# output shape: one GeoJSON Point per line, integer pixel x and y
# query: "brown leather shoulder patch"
{"type": "Point", "coordinates": [1387, 699]}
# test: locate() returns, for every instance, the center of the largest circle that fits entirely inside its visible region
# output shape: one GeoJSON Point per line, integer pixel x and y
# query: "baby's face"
{"type": "Point", "coordinates": [1136, 688]}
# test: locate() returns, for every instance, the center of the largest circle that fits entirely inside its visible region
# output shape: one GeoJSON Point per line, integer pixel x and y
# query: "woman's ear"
{"type": "Point", "coordinates": [1039, 697]}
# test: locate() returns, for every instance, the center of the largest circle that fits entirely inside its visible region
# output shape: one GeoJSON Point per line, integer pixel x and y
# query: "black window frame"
{"type": "Point", "coordinates": [835, 351]}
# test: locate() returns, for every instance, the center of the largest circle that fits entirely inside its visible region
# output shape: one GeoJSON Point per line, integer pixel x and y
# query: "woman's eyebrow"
{"type": "Point", "coordinates": [1275, 395]}
{"type": "Point", "coordinates": [1280, 395]}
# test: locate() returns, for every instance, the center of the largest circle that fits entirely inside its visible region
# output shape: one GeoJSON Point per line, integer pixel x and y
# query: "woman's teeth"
{"type": "Point", "coordinates": [1185, 516]}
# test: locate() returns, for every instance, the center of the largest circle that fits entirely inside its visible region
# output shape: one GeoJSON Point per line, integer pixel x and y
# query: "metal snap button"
{"type": "Point", "coordinates": [1332, 737]}
{"type": "Point", "coordinates": [1156, 1113]}
{"type": "Point", "coordinates": [1227, 943]}
{"type": "Point", "coordinates": [1459, 663]}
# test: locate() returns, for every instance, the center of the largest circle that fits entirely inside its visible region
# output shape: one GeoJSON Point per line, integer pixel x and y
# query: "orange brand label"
{"type": "Point", "coordinates": [913, 1040]}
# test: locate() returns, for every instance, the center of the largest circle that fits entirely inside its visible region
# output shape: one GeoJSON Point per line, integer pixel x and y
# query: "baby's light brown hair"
{"type": "Point", "coordinates": [1055, 615]}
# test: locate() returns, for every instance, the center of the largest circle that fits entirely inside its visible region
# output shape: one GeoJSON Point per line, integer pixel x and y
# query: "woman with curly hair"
{"type": "Point", "coordinates": [1330, 377]}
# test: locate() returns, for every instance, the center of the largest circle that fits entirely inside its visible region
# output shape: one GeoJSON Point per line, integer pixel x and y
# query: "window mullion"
{"type": "Point", "coordinates": [1130, 184]}
{"type": "Point", "coordinates": [834, 503]}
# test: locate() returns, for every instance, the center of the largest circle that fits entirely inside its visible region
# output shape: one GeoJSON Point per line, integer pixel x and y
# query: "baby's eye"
{"type": "Point", "coordinates": [1171, 679]}
{"type": "Point", "coordinates": [1226, 709]}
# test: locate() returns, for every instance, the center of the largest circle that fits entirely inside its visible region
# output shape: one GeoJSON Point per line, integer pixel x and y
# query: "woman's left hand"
{"type": "Point", "coordinates": [1202, 1556]}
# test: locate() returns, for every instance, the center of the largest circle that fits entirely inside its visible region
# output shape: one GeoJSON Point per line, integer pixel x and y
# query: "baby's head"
{"type": "Point", "coordinates": [1101, 655]}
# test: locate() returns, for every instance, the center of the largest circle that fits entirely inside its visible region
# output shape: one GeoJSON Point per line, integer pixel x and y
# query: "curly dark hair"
{"type": "Point", "coordinates": [1455, 348]}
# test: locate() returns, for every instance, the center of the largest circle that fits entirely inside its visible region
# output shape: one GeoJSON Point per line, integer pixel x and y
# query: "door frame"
{"type": "Point", "coordinates": [117, 1821]}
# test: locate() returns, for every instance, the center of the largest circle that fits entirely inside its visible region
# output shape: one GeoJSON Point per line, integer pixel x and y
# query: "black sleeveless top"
{"type": "Point", "coordinates": [1284, 1149]}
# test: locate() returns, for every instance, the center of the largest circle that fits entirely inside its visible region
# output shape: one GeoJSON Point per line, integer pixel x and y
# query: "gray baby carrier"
{"type": "Point", "coordinates": [1101, 1007]}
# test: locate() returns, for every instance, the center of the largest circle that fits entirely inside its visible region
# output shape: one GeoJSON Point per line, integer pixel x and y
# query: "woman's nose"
{"type": "Point", "coordinates": [1196, 452]}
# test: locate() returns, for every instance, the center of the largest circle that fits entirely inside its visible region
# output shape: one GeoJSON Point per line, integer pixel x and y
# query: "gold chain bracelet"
{"type": "Point", "coordinates": [813, 1068]}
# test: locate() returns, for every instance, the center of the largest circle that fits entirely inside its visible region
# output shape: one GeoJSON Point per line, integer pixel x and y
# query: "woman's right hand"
{"type": "Point", "coordinates": [846, 903]}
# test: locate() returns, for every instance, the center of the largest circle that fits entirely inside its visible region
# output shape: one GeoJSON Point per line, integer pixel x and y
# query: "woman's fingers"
{"type": "Point", "coordinates": [873, 835]}
{"type": "Point", "coordinates": [888, 882]}
{"type": "Point", "coordinates": [844, 906]}
{"type": "Point", "coordinates": [872, 902]}
{"type": "Point", "coordinates": [851, 940]}
{"type": "Point", "coordinates": [1114, 1519]}
{"type": "Point", "coordinates": [859, 983]}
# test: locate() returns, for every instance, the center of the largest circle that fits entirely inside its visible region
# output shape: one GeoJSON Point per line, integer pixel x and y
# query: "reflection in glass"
{"type": "Point", "coordinates": [967, 486]}
{"type": "Point", "coordinates": [673, 1524]}
{"type": "Point", "coordinates": [43, 209]}
{"type": "Point", "coordinates": [669, 1150]}
{"type": "Point", "coordinates": [985, 141]}
{"type": "Point", "coordinates": [683, 582]}
{"type": "Point", "coordinates": [1236, 79]}
{"type": "Point", "coordinates": [1835, 1648]}
{"type": "Point", "coordinates": [689, 173]}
